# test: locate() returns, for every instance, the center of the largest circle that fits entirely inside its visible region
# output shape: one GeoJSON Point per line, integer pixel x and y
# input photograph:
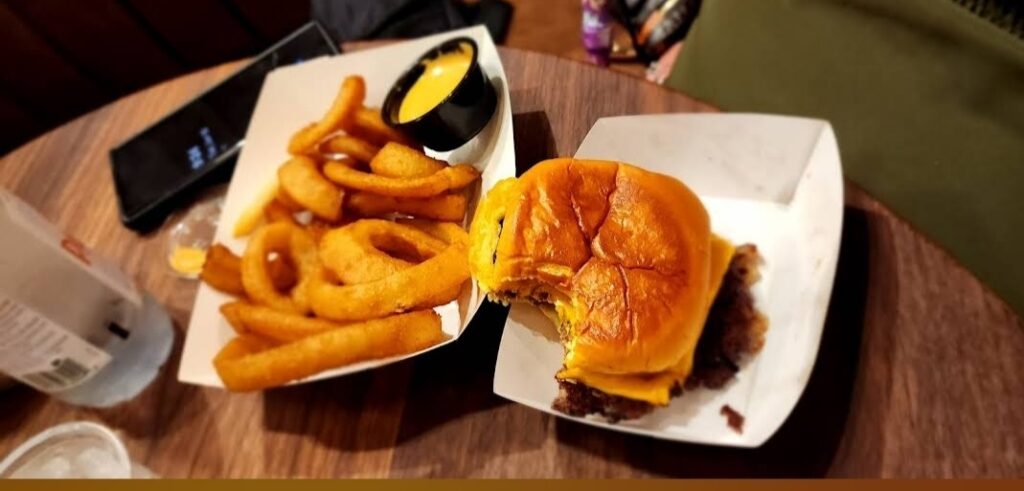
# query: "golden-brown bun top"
{"type": "Point", "coordinates": [630, 248]}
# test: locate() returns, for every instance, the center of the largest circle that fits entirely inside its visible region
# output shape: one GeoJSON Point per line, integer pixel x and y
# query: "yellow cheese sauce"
{"type": "Point", "coordinates": [187, 261]}
{"type": "Point", "coordinates": [440, 77]}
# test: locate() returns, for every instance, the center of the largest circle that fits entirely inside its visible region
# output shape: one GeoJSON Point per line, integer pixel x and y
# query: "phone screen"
{"type": "Point", "coordinates": [204, 133]}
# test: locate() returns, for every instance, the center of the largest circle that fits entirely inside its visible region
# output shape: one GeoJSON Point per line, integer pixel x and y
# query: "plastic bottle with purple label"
{"type": "Point", "coordinates": [597, 31]}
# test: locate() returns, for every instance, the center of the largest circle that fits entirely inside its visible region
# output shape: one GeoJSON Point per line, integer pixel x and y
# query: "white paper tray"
{"type": "Point", "coordinates": [292, 97]}
{"type": "Point", "coordinates": [770, 180]}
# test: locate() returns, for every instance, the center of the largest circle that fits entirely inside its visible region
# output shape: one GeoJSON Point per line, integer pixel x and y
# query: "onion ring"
{"type": "Point", "coordinates": [222, 270]}
{"type": "Point", "coordinates": [442, 181]}
{"type": "Point", "coordinates": [448, 232]}
{"type": "Point", "coordinates": [251, 362]}
{"type": "Point", "coordinates": [368, 123]}
{"type": "Point", "coordinates": [433, 282]}
{"type": "Point", "coordinates": [346, 105]}
{"type": "Point", "coordinates": [397, 160]}
{"type": "Point", "coordinates": [247, 318]}
{"type": "Point", "coordinates": [446, 207]}
{"type": "Point", "coordinates": [278, 212]}
{"type": "Point", "coordinates": [302, 182]}
{"type": "Point", "coordinates": [284, 200]}
{"type": "Point", "coordinates": [361, 252]}
{"type": "Point", "coordinates": [317, 228]}
{"type": "Point", "coordinates": [282, 274]}
{"type": "Point", "coordinates": [351, 146]}
{"type": "Point", "coordinates": [292, 243]}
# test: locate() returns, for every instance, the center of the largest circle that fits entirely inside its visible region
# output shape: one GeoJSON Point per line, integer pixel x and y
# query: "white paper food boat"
{"type": "Point", "coordinates": [296, 95]}
{"type": "Point", "coordinates": [770, 180]}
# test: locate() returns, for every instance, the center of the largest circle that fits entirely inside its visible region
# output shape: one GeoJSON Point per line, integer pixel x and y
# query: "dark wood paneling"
{"type": "Point", "coordinates": [36, 76]}
{"type": "Point", "coordinates": [201, 32]}
{"type": "Point", "coordinates": [273, 19]}
{"type": "Point", "coordinates": [62, 58]}
{"type": "Point", "coordinates": [102, 39]}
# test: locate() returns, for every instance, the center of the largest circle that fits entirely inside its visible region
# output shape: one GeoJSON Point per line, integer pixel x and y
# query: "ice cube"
{"type": "Point", "coordinates": [95, 463]}
{"type": "Point", "coordinates": [55, 467]}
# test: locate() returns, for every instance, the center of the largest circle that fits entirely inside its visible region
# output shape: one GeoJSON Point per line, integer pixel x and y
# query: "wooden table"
{"type": "Point", "coordinates": [920, 371]}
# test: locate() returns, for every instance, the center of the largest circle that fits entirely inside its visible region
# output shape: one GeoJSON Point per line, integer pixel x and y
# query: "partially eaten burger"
{"type": "Point", "coordinates": [647, 300]}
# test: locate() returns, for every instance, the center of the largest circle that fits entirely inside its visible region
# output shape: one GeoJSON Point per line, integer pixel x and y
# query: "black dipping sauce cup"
{"type": "Point", "coordinates": [459, 117]}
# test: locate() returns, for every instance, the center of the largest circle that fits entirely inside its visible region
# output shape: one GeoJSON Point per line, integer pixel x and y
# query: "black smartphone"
{"type": "Point", "coordinates": [195, 146]}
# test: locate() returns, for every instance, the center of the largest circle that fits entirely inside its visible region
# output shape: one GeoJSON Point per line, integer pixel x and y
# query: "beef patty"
{"type": "Point", "coordinates": [734, 329]}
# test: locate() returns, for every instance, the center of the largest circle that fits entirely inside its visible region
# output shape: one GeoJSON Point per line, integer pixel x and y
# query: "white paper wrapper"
{"type": "Point", "coordinates": [296, 95]}
{"type": "Point", "coordinates": [769, 180]}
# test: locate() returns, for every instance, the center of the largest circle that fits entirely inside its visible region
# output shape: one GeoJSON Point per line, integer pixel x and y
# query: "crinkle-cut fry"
{"type": "Point", "coordinates": [366, 250]}
{"type": "Point", "coordinates": [343, 110]}
{"type": "Point", "coordinates": [351, 146]}
{"type": "Point", "coordinates": [446, 207]}
{"type": "Point", "coordinates": [397, 160]}
{"type": "Point", "coordinates": [440, 182]}
{"type": "Point", "coordinates": [248, 365]}
{"type": "Point", "coordinates": [368, 123]}
{"type": "Point", "coordinates": [248, 318]}
{"type": "Point", "coordinates": [252, 216]}
{"type": "Point", "coordinates": [223, 271]}
{"type": "Point", "coordinates": [301, 180]}
{"type": "Point", "coordinates": [433, 282]}
{"type": "Point", "coordinates": [291, 242]}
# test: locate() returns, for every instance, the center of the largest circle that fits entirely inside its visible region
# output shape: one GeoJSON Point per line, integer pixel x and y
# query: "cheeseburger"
{"type": "Point", "coordinates": [647, 300]}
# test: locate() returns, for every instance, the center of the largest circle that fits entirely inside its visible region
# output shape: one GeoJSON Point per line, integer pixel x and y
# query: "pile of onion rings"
{"type": "Point", "coordinates": [349, 250]}
{"type": "Point", "coordinates": [435, 281]}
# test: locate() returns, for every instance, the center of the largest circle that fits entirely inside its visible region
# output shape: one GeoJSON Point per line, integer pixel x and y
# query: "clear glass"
{"type": "Point", "coordinates": [195, 227]}
{"type": "Point", "coordinates": [79, 450]}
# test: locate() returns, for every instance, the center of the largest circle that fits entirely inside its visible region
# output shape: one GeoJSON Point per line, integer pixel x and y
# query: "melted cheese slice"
{"type": "Point", "coordinates": [656, 388]}
{"type": "Point", "coordinates": [721, 255]}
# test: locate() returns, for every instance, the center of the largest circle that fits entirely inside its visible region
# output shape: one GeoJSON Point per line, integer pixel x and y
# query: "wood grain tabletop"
{"type": "Point", "coordinates": [920, 371]}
